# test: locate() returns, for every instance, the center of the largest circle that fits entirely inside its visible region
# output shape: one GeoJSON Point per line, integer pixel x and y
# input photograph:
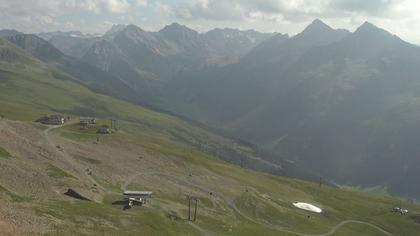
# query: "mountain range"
{"type": "Point", "coordinates": [343, 105]}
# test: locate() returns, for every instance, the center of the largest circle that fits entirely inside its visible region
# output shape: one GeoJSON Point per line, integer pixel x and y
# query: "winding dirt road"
{"type": "Point", "coordinates": [337, 227]}
{"type": "Point", "coordinates": [68, 159]}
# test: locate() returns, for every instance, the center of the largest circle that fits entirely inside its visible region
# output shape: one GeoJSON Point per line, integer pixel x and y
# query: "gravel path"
{"type": "Point", "coordinates": [70, 161]}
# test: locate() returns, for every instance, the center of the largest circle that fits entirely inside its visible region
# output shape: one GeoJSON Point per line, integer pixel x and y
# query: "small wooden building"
{"type": "Point", "coordinates": [137, 196]}
{"type": "Point", "coordinates": [103, 130]}
{"type": "Point", "coordinates": [52, 120]}
{"type": "Point", "coordinates": [87, 120]}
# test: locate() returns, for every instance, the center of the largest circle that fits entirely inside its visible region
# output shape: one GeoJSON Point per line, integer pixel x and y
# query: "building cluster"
{"type": "Point", "coordinates": [400, 210]}
{"type": "Point", "coordinates": [103, 130]}
{"type": "Point", "coordinates": [52, 120]}
{"type": "Point", "coordinates": [136, 197]}
{"type": "Point", "coordinates": [87, 120]}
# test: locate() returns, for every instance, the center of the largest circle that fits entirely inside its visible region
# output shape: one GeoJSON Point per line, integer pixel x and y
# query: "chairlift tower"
{"type": "Point", "coordinates": [114, 124]}
{"type": "Point", "coordinates": [195, 201]}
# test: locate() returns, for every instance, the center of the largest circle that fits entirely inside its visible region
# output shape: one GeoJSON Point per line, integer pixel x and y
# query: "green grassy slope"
{"type": "Point", "coordinates": [4, 153]}
{"type": "Point", "coordinates": [233, 201]}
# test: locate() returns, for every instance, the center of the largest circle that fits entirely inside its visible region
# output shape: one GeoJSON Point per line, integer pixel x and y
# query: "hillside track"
{"type": "Point", "coordinates": [72, 164]}
{"type": "Point", "coordinates": [337, 227]}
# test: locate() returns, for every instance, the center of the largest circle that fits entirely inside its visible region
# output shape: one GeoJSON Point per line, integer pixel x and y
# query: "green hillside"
{"type": "Point", "coordinates": [156, 152]}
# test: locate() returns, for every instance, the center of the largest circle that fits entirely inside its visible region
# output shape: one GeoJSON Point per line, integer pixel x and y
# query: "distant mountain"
{"type": "Point", "coordinates": [175, 48]}
{"type": "Point", "coordinates": [74, 34]}
{"type": "Point", "coordinates": [72, 43]}
{"type": "Point", "coordinates": [342, 104]}
{"type": "Point", "coordinates": [184, 39]}
{"type": "Point", "coordinates": [10, 54]}
{"type": "Point", "coordinates": [115, 29]}
{"type": "Point", "coordinates": [95, 78]}
{"type": "Point", "coordinates": [146, 61]}
{"type": "Point", "coordinates": [8, 32]}
{"type": "Point", "coordinates": [147, 51]}
{"type": "Point", "coordinates": [109, 58]}
{"type": "Point", "coordinates": [36, 46]}
{"type": "Point", "coordinates": [232, 44]}
{"type": "Point", "coordinates": [283, 50]}
{"type": "Point", "coordinates": [73, 46]}
{"type": "Point", "coordinates": [249, 84]}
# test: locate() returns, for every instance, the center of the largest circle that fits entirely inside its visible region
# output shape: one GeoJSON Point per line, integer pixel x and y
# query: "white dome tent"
{"type": "Point", "coordinates": [307, 207]}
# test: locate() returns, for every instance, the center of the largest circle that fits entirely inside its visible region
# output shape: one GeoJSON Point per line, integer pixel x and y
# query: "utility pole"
{"type": "Point", "coordinates": [114, 124]}
{"type": "Point", "coordinates": [189, 208]}
{"type": "Point", "coordinates": [195, 208]}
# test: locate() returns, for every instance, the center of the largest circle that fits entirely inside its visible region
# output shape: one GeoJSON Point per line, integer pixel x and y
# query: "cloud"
{"type": "Point", "coordinates": [162, 9]}
{"type": "Point", "coordinates": [113, 6]}
{"type": "Point", "coordinates": [141, 3]}
{"type": "Point", "coordinates": [41, 15]}
{"type": "Point", "coordinates": [286, 16]}
{"type": "Point", "coordinates": [371, 6]}
{"type": "Point", "coordinates": [249, 9]}
{"type": "Point", "coordinates": [288, 10]}
{"type": "Point", "coordinates": [211, 9]}
{"type": "Point", "coordinates": [55, 8]}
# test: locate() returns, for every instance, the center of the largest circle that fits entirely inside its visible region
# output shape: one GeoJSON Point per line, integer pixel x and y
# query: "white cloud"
{"type": "Point", "coordinates": [98, 6]}
{"type": "Point", "coordinates": [287, 16]}
{"type": "Point", "coordinates": [162, 9]}
{"type": "Point", "coordinates": [142, 3]}
{"type": "Point", "coordinates": [248, 9]}
{"type": "Point", "coordinates": [113, 6]}
{"type": "Point", "coordinates": [41, 15]}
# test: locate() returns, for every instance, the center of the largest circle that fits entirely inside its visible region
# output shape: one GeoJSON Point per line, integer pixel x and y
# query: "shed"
{"type": "Point", "coordinates": [87, 120]}
{"type": "Point", "coordinates": [52, 120]}
{"type": "Point", "coordinates": [103, 130]}
{"type": "Point", "coordinates": [137, 194]}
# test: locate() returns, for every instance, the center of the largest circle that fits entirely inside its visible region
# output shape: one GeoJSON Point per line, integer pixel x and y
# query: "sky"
{"type": "Point", "coordinates": [400, 17]}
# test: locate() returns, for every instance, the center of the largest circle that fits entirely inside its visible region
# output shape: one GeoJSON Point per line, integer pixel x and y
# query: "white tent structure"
{"type": "Point", "coordinates": [136, 196]}
{"type": "Point", "coordinates": [307, 207]}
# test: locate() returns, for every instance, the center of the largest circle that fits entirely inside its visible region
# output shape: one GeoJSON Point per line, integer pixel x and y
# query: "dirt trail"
{"type": "Point", "coordinates": [337, 227]}
{"type": "Point", "coordinates": [232, 205]}
{"type": "Point", "coordinates": [70, 161]}
{"type": "Point", "coordinates": [201, 230]}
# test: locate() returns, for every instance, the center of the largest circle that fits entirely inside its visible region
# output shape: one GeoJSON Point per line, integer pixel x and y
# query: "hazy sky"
{"type": "Point", "coordinates": [401, 17]}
